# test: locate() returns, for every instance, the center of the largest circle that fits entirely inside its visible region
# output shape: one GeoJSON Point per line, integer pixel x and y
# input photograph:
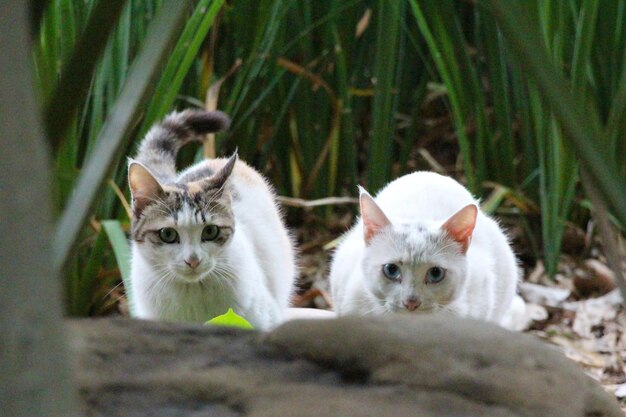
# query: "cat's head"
{"type": "Point", "coordinates": [182, 229]}
{"type": "Point", "coordinates": [416, 266]}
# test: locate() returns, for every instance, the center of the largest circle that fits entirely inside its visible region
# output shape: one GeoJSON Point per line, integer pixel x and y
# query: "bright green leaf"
{"type": "Point", "coordinates": [231, 319]}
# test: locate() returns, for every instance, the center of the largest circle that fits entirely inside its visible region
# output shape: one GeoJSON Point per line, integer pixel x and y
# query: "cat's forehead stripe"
{"type": "Point", "coordinates": [190, 193]}
{"type": "Point", "coordinates": [186, 191]}
{"type": "Point", "coordinates": [197, 174]}
{"type": "Point", "coordinates": [170, 188]}
{"type": "Point", "coordinates": [190, 189]}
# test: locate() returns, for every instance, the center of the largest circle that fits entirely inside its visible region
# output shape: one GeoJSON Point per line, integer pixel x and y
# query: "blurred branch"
{"type": "Point", "coordinates": [34, 359]}
{"type": "Point", "coordinates": [328, 201]}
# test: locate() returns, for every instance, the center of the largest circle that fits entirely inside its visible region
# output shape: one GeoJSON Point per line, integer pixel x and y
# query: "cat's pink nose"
{"type": "Point", "coordinates": [412, 304]}
{"type": "Point", "coordinates": [192, 262]}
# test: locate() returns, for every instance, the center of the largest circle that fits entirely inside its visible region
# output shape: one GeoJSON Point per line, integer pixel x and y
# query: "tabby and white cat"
{"type": "Point", "coordinates": [423, 246]}
{"type": "Point", "coordinates": [207, 238]}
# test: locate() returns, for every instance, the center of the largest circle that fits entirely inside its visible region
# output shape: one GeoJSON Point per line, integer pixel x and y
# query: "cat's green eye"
{"type": "Point", "coordinates": [435, 275]}
{"type": "Point", "coordinates": [210, 232]}
{"type": "Point", "coordinates": [168, 235]}
{"type": "Point", "coordinates": [391, 271]}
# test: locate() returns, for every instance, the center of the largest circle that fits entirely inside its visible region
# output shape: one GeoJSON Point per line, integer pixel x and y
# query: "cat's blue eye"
{"type": "Point", "coordinates": [391, 271]}
{"type": "Point", "coordinates": [435, 275]}
{"type": "Point", "coordinates": [210, 232]}
{"type": "Point", "coordinates": [168, 235]}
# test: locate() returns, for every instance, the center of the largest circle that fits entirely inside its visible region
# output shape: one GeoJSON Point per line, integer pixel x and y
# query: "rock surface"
{"type": "Point", "coordinates": [394, 366]}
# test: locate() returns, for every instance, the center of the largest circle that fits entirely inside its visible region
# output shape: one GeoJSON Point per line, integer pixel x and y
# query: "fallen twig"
{"type": "Point", "coordinates": [328, 201]}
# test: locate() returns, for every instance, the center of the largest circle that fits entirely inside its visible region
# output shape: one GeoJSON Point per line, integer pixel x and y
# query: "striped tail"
{"type": "Point", "coordinates": [159, 148]}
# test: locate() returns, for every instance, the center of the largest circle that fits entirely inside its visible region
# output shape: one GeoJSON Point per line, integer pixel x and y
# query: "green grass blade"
{"type": "Point", "coordinates": [270, 13]}
{"type": "Point", "coordinates": [343, 145]}
{"type": "Point", "coordinates": [501, 149]}
{"type": "Point", "coordinates": [442, 39]}
{"type": "Point", "coordinates": [74, 81]}
{"type": "Point", "coordinates": [121, 249]}
{"type": "Point", "coordinates": [585, 32]}
{"type": "Point", "coordinates": [616, 124]}
{"type": "Point", "coordinates": [383, 108]}
{"type": "Point", "coordinates": [47, 54]}
{"type": "Point", "coordinates": [181, 59]}
{"type": "Point", "coordinates": [37, 9]}
{"type": "Point", "coordinates": [115, 134]}
{"type": "Point", "coordinates": [579, 127]}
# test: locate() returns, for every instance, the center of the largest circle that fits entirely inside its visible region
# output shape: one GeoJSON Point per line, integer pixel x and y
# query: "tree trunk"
{"type": "Point", "coordinates": [36, 380]}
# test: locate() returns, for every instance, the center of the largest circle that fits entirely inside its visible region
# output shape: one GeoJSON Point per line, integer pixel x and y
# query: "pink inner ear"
{"type": "Point", "coordinates": [143, 186]}
{"type": "Point", "coordinates": [461, 225]}
{"type": "Point", "coordinates": [373, 217]}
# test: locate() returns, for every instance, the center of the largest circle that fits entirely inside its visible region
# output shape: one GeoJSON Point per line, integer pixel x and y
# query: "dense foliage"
{"type": "Point", "coordinates": [328, 94]}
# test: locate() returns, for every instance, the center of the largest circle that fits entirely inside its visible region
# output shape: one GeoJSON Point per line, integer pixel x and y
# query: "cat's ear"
{"type": "Point", "coordinates": [221, 176]}
{"type": "Point", "coordinates": [219, 180]}
{"type": "Point", "coordinates": [144, 188]}
{"type": "Point", "coordinates": [373, 217]}
{"type": "Point", "coordinates": [461, 226]}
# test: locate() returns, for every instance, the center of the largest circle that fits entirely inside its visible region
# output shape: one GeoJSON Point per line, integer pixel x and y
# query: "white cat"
{"type": "Point", "coordinates": [423, 246]}
{"type": "Point", "coordinates": [208, 238]}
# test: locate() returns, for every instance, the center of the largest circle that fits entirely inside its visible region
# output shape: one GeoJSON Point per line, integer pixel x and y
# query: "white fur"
{"type": "Point", "coordinates": [482, 282]}
{"type": "Point", "coordinates": [252, 273]}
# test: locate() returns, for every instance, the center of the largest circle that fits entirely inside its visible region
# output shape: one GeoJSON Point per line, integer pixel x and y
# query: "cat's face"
{"type": "Point", "coordinates": [413, 268]}
{"type": "Point", "coordinates": [182, 230]}
{"type": "Point", "coordinates": [417, 267]}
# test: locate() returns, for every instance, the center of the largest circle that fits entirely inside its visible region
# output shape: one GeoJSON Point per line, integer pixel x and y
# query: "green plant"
{"type": "Point", "coordinates": [487, 88]}
{"type": "Point", "coordinates": [231, 319]}
{"type": "Point", "coordinates": [576, 109]}
{"type": "Point", "coordinates": [325, 95]}
{"type": "Point", "coordinates": [97, 136]}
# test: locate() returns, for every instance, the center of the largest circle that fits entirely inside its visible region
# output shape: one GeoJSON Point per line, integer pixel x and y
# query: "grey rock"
{"type": "Point", "coordinates": [391, 366]}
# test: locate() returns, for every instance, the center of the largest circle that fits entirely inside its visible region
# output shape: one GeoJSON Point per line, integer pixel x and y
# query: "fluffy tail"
{"type": "Point", "coordinates": [159, 148]}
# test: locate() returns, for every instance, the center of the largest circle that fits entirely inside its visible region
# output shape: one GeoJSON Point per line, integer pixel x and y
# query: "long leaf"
{"type": "Point", "coordinates": [121, 249]}
{"type": "Point", "coordinates": [181, 59]}
{"type": "Point", "coordinates": [116, 131]}
{"type": "Point", "coordinates": [383, 108]}
{"type": "Point", "coordinates": [74, 81]}
{"type": "Point", "coordinates": [579, 127]}
{"type": "Point", "coordinates": [441, 41]}
{"type": "Point", "coordinates": [616, 124]}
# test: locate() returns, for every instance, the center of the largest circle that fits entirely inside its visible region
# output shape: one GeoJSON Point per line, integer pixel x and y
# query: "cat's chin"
{"type": "Point", "coordinates": [192, 277]}
{"type": "Point", "coordinates": [404, 311]}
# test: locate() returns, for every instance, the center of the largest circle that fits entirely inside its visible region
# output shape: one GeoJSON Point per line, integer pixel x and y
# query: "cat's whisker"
{"type": "Point", "coordinates": [163, 279]}
{"type": "Point", "coordinates": [161, 206]}
{"type": "Point", "coordinates": [111, 290]}
{"type": "Point", "coordinates": [367, 308]}
{"type": "Point", "coordinates": [161, 264]}
{"type": "Point", "coordinates": [225, 280]}
{"type": "Point", "coordinates": [225, 284]}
